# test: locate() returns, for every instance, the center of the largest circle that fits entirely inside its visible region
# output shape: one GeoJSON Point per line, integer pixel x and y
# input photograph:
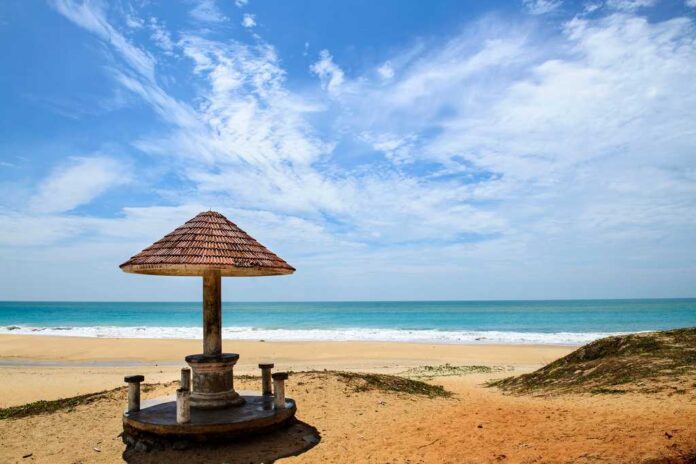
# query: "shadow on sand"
{"type": "Point", "coordinates": [266, 448]}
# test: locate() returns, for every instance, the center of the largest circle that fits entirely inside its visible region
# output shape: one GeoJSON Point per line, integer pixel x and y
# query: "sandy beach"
{"type": "Point", "coordinates": [476, 424]}
{"type": "Point", "coordinates": [82, 365]}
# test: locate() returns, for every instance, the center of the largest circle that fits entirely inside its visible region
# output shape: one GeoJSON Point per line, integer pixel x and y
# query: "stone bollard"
{"type": "Point", "coordinates": [266, 378]}
{"type": "Point", "coordinates": [183, 406]}
{"type": "Point", "coordinates": [185, 383]}
{"type": "Point", "coordinates": [279, 379]}
{"type": "Point", "coordinates": [133, 382]}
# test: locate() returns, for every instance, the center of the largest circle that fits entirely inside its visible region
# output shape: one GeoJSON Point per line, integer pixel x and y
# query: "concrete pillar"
{"type": "Point", "coordinates": [133, 382]}
{"type": "Point", "coordinates": [279, 379]}
{"type": "Point", "coordinates": [183, 406]}
{"type": "Point", "coordinates": [185, 383]}
{"type": "Point", "coordinates": [212, 313]}
{"type": "Point", "coordinates": [266, 378]}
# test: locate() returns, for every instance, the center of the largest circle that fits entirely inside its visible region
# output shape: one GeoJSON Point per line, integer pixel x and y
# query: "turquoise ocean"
{"type": "Point", "coordinates": [567, 322]}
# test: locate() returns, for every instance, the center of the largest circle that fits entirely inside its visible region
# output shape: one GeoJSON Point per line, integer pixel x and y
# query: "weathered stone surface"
{"type": "Point", "coordinates": [279, 379]}
{"type": "Point", "coordinates": [213, 381]}
{"type": "Point", "coordinates": [266, 384]}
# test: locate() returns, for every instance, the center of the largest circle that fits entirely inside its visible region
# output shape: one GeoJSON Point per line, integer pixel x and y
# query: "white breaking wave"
{"type": "Point", "coordinates": [342, 334]}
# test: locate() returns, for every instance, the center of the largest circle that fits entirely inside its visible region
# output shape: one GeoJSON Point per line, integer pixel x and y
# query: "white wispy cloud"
{"type": "Point", "coordinates": [161, 36]}
{"type": "Point", "coordinates": [78, 183]}
{"type": "Point", "coordinates": [590, 7]}
{"type": "Point", "coordinates": [207, 11]}
{"type": "Point", "coordinates": [397, 148]}
{"type": "Point", "coordinates": [91, 17]}
{"type": "Point", "coordinates": [248, 21]}
{"type": "Point", "coordinates": [630, 5]}
{"type": "Point", "coordinates": [386, 71]}
{"type": "Point", "coordinates": [134, 22]}
{"type": "Point", "coordinates": [540, 7]}
{"type": "Point", "coordinates": [330, 73]}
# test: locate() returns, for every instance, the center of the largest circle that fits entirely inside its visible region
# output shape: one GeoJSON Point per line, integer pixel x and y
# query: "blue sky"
{"type": "Point", "coordinates": [388, 150]}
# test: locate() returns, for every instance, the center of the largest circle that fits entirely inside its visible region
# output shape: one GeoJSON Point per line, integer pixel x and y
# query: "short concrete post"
{"type": "Point", "coordinates": [183, 406]}
{"type": "Point", "coordinates": [266, 378]}
{"type": "Point", "coordinates": [133, 382]}
{"type": "Point", "coordinates": [185, 383]}
{"type": "Point", "coordinates": [279, 379]}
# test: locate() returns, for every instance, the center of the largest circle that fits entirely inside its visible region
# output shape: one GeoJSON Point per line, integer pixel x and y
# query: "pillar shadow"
{"type": "Point", "coordinates": [292, 440]}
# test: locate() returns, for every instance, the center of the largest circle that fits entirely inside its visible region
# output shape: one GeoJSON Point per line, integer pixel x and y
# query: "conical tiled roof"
{"type": "Point", "coordinates": [207, 242]}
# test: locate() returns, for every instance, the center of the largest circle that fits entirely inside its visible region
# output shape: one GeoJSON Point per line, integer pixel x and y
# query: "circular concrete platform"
{"type": "Point", "coordinates": [257, 414]}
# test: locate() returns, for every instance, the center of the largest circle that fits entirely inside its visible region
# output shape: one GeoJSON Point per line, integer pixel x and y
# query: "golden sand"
{"type": "Point", "coordinates": [478, 424]}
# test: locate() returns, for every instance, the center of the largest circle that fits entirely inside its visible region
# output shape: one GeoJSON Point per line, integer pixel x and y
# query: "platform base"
{"type": "Point", "coordinates": [257, 414]}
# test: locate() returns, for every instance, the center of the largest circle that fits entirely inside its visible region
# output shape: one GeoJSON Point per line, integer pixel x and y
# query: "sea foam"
{"type": "Point", "coordinates": [338, 334]}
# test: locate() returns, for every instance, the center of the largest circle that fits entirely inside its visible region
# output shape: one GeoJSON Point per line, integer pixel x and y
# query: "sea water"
{"type": "Point", "coordinates": [567, 322]}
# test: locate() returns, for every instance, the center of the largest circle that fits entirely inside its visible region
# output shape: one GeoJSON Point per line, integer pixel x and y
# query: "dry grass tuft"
{"type": "Point", "coordinates": [448, 370]}
{"type": "Point", "coordinates": [361, 382]}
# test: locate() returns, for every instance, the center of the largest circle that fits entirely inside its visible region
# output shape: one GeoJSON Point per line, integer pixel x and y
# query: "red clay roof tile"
{"type": "Point", "coordinates": [209, 241]}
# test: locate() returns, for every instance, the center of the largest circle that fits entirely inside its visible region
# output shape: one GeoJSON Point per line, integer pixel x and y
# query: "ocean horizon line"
{"type": "Point", "coordinates": [503, 300]}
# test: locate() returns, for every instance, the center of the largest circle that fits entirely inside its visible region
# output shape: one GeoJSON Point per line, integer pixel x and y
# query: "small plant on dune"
{"type": "Point", "coordinates": [390, 383]}
{"type": "Point", "coordinates": [448, 370]}
{"type": "Point", "coordinates": [362, 382]}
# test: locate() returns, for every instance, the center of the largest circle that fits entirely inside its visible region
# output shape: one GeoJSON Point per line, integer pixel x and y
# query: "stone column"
{"type": "Point", "coordinates": [183, 407]}
{"type": "Point", "coordinates": [133, 382]}
{"type": "Point", "coordinates": [185, 383]}
{"type": "Point", "coordinates": [212, 313]}
{"type": "Point", "coordinates": [266, 378]}
{"type": "Point", "coordinates": [279, 379]}
{"type": "Point", "coordinates": [213, 381]}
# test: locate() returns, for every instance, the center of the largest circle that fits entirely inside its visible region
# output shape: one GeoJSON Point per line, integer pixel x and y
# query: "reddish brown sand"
{"type": "Point", "coordinates": [478, 425]}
